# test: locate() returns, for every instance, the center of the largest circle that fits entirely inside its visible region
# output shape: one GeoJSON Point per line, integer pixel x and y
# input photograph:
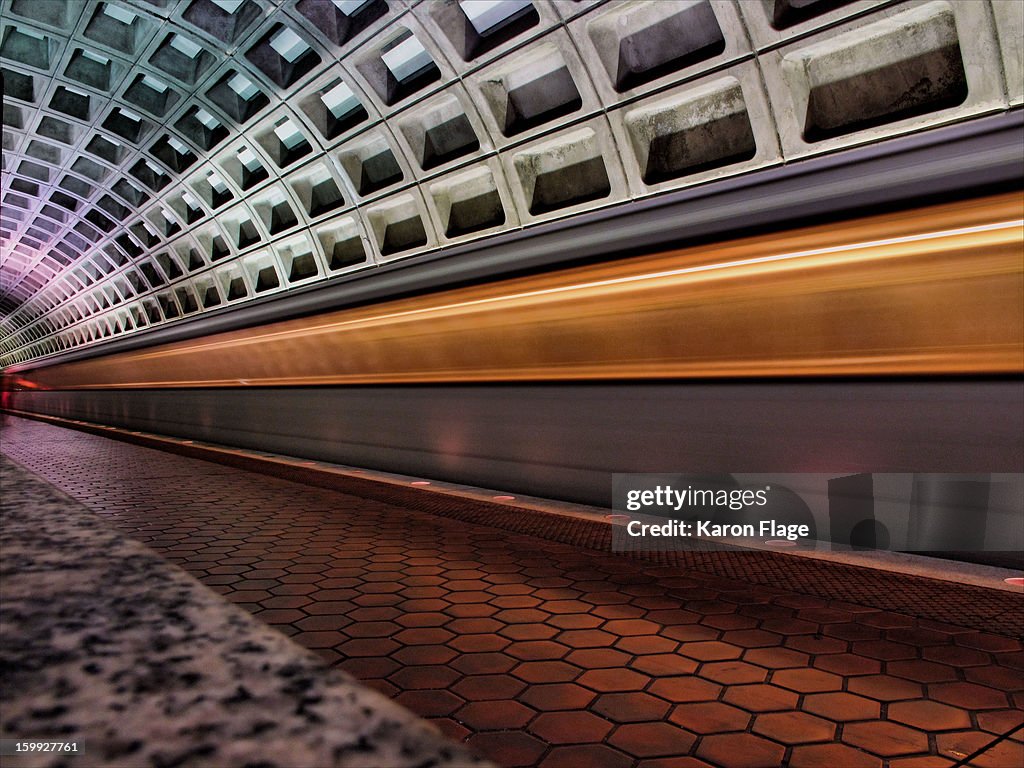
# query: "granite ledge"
{"type": "Point", "coordinates": [105, 643]}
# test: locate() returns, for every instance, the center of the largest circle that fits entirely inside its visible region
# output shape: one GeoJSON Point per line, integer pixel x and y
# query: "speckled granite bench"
{"type": "Point", "coordinates": [104, 643]}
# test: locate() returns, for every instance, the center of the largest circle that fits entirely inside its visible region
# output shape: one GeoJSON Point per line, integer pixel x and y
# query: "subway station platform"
{"type": "Point", "coordinates": [531, 648]}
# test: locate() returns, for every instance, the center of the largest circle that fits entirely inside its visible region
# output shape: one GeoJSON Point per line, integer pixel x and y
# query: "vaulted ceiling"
{"type": "Point", "coordinates": [165, 159]}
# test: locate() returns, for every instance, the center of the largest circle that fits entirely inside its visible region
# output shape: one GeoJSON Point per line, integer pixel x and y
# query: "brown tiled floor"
{"type": "Point", "coordinates": [541, 653]}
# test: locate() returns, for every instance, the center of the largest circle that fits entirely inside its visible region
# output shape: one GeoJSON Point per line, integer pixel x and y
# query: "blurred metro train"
{"type": "Point", "coordinates": [878, 329]}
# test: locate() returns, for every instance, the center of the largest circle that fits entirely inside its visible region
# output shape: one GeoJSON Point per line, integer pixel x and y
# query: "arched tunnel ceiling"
{"type": "Point", "coordinates": [167, 158]}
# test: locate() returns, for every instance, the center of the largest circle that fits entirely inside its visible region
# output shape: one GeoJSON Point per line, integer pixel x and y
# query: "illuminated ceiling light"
{"type": "Point", "coordinates": [185, 46]}
{"type": "Point", "coordinates": [419, 482]}
{"type": "Point", "coordinates": [248, 159]}
{"type": "Point", "coordinates": [177, 146]}
{"type": "Point", "coordinates": [289, 134]}
{"type": "Point", "coordinates": [288, 45]}
{"type": "Point", "coordinates": [208, 120]}
{"type": "Point", "coordinates": [485, 15]}
{"type": "Point", "coordinates": [340, 100]}
{"type": "Point", "coordinates": [36, 35]}
{"type": "Point", "coordinates": [228, 6]}
{"type": "Point", "coordinates": [119, 14]}
{"type": "Point", "coordinates": [407, 59]}
{"type": "Point", "coordinates": [243, 86]}
{"type": "Point", "coordinates": [130, 115]}
{"type": "Point", "coordinates": [216, 182]}
{"type": "Point", "coordinates": [351, 7]}
{"type": "Point", "coordinates": [157, 85]}
{"type": "Point", "coordinates": [1015, 581]}
{"type": "Point", "coordinates": [102, 60]}
{"type": "Point", "coordinates": [75, 91]}
{"type": "Point", "coordinates": [503, 498]}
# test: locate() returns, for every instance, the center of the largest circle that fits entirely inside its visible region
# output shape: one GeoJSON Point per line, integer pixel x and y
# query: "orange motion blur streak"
{"type": "Point", "coordinates": [938, 290]}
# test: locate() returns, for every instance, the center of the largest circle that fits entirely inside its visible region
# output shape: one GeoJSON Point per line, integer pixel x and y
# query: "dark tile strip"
{"type": "Point", "coordinates": [990, 609]}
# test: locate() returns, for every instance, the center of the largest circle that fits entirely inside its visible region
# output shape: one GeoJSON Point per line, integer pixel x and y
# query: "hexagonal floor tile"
{"type": "Point", "coordinates": [652, 739]}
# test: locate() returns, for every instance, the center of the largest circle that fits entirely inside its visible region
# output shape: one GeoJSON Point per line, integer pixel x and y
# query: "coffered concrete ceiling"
{"type": "Point", "coordinates": [164, 159]}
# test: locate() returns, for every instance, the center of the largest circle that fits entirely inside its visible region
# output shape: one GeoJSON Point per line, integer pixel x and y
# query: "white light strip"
{"type": "Point", "coordinates": [484, 15]}
{"type": "Point", "coordinates": [228, 6]}
{"type": "Point", "coordinates": [185, 46]}
{"type": "Point", "coordinates": [177, 146]}
{"type": "Point", "coordinates": [118, 13]}
{"type": "Point", "coordinates": [351, 7]}
{"type": "Point", "coordinates": [207, 119]}
{"type": "Point", "coordinates": [243, 86]}
{"type": "Point", "coordinates": [32, 33]}
{"type": "Point", "coordinates": [407, 58]}
{"type": "Point", "coordinates": [95, 57]}
{"type": "Point", "coordinates": [340, 100]}
{"type": "Point", "coordinates": [289, 134]}
{"type": "Point", "coordinates": [248, 159]}
{"type": "Point", "coordinates": [288, 45]}
{"type": "Point", "coordinates": [216, 182]}
{"type": "Point", "coordinates": [151, 82]}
